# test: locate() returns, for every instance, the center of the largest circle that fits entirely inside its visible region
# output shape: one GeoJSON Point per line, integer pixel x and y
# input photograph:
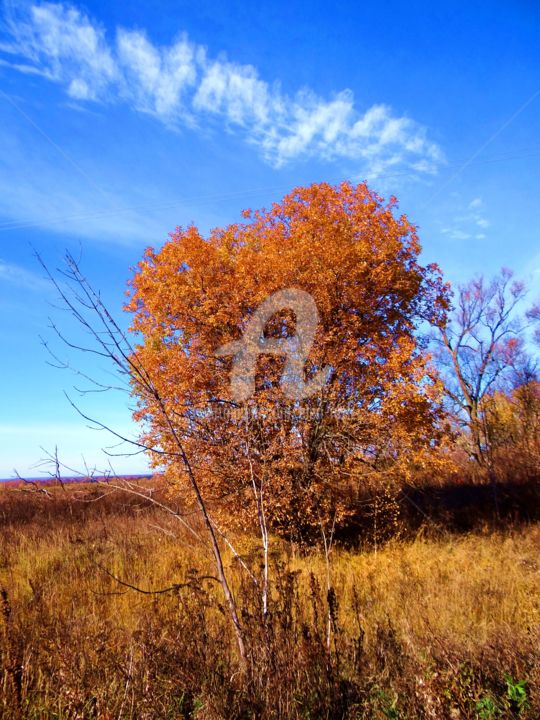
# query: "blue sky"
{"type": "Point", "coordinates": [120, 121]}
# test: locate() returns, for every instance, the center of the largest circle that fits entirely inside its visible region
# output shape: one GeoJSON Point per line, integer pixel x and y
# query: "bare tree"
{"type": "Point", "coordinates": [534, 317]}
{"type": "Point", "coordinates": [108, 341]}
{"type": "Point", "coordinates": [480, 349]}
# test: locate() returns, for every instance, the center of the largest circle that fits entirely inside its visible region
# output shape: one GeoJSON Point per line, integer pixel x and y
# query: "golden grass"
{"type": "Point", "coordinates": [465, 588]}
{"type": "Point", "coordinates": [421, 610]}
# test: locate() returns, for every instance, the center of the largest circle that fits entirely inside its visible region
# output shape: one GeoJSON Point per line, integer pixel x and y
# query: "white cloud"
{"type": "Point", "coordinates": [181, 85]}
{"type": "Point", "coordinates": [235, 92]}
{"type": "Point", "coordinates": [155, 80]}
{"type": "Point", "coordinates": [60, 43]}
{"type": "Point", "coordinates": [470, 224]}
{"type": "Point", "coordinates": [456, 234]}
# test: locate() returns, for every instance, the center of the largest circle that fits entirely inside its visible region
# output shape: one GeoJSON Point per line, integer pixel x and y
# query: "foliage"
{"type": "Point", "coordinates": [511, 422]}
{"type": "Point", "coordinates": [516, 692]}
{"type": "Point", "coordinates": [378, 416]}
{"type": "Point", "coordinates": [487, 709]}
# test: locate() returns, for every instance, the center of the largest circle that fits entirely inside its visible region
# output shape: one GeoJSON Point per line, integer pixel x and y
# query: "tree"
{"type": "Point", "coordinates": [369, 402]}
{"type": "Point", "coordinates": [107, 340]}
{"type": "Point", "coordinates": [534, 316]}
{"type": "Point", "coordinates": [481, 348]}
{"type": "Point", "coordinates": [512, 426]}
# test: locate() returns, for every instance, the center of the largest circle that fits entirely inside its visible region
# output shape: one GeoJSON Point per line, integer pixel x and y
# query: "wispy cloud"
{"type": "Point", "coordinates": [38, 191]}
{"type": "Point", "coordinates": [182, 85]}
{"type": "Point", "coordinates": [26, 203]}
{"type": "Point", "coordinates": [469, 225]}
{"type": "Point", "coordinates": [20, 277]}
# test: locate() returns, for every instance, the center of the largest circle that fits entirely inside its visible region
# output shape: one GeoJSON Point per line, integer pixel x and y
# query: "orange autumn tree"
{"type": "Point", "coordinates": [301, 461]}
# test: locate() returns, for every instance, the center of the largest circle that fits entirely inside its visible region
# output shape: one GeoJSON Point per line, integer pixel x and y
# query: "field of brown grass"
{"type": "Point", "coordinates": [446, 626]}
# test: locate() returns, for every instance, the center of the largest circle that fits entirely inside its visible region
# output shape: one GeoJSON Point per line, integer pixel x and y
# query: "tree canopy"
{"type": "Point", "coordinates": [377, 412]}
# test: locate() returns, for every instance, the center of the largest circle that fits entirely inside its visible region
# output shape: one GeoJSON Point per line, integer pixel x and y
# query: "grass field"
{"type": "Point", "coordinates": [428, 627]}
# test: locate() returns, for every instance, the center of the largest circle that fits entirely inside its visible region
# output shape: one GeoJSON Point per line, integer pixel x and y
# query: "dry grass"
{"type": "Point", "coordinates": [421, 629]}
